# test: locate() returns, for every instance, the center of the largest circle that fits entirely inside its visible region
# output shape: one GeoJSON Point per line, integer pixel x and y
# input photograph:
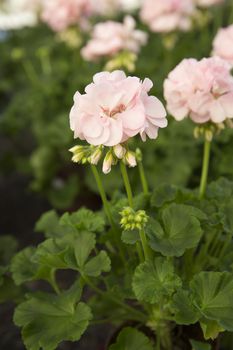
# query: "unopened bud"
{"type": "Point", "coordinates": [108, 162]}
{"type": "Point", "coordinates": [208, 135]}
{"type": "Point", "coordinates": [130, 159]}
{"type": "Point", "coordinates": [95, 156]}
{"type": "Point", "coordinates": [138, 154]}
{"type": "Point", "coordinates": [131, 219]}
{"type": "Point", "coordinates": [78, 153]}
{"type": "Point", "coordinates": [119, 151]}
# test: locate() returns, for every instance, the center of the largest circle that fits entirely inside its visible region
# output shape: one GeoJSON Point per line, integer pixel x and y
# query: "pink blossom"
{"type": "Point", "coordinates": [167, 15]}
{"type": "Point", "coordinates": [202, 90]}
{"type": "Point", "coordinates": [110, 37]}
{"type": "Point", "coordinates": [59, 14]}
{"type": "Point", "coordinates": [207, 3]}
{"type": "Point", "coordinates": [115, 108]}
{"type": "Point", "coordinates": [223, 44]}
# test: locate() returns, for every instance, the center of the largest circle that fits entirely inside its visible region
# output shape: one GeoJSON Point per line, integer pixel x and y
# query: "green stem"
{"type": "Point", "coordinates": [102, 194]}
{"type": "Point", "coordinates": [137, 314]}
{"type": "Point", "coordinates": [145, 186]}
{"type": "Point", "coordinates": [205, 168]}
{"type": "Point", "coordinates": [146, 248]}
{"type": "Point", "coordinates": [107, 210]}
{"type": "Point", "coordinates": [127, 183]}
{"type": "Point", "coordinates": [140, 252]}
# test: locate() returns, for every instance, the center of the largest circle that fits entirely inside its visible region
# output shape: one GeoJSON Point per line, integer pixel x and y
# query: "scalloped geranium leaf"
{"type": "Point", "coordinates": [47, 319]}
{"type": "Point", "coordinates": [165, 193]}
{"type": "Point", "coordinates": [49, 225]}
{"type": "Point", "coordinates": [196, 345]}
{"type": "Point", "coordinates": [51, 253]}
{"type": "Point", "coordinates": [24, 269]}
{"type": "Point", "coordinates": [154, 280]}
{"type": "Point", "coordinates": [178, 231]}
{"type": "Point", "coordinates": [212, 294]}
{"type": "Point", "coordinates": [184, 311]}
{"type": "Point", "coordinates": [131, 339]}
{"type": "Point", "coordinates": [84, 220]}
{"type": "Point", "coordinates": [95, 266]}
{"type": "Point", "coordinates": [8, 247]}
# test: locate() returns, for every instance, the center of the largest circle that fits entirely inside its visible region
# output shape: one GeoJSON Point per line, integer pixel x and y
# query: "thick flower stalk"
{"type": "Point", "coordinates": [223, 44]}
{"type": "Point", "coordinates": [114, 109]}
{"type": "Point", "coordinates": [167, 16]}
{"type": "Point", "coordinates": [110, 38]}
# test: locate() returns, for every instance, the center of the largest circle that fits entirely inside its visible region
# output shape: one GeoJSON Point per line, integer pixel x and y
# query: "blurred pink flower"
{"type": "Point", "coordinates": [167, 15]}
{"type": "Point", "coordinates": [115, 108]}
{"type": "Point", "coordinates": [223, 44]}
{"type": "Point", "coordinates": [202, 90]}
{"type": "Point", "coordinates": [207, 3]}
{"type": "Point", "coordinates": [110, 37]}
{"type": "Point", "coordinates": [59, 14]}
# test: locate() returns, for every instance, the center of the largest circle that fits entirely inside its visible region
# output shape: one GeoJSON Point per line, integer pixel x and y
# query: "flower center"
{"type": "Point", "coordinates": [112, 114]}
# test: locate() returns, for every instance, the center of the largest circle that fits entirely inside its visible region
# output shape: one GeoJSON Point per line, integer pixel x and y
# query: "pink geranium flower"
{"type": "Point", "coordinates": [109, 38]}
{"type": "Point", "coordinates": [223, 44]}
{"type": "Point", "coordinates": [202, 90]}
{"type": "Point", "coordinates": [167, 15]}
{"type": "Point", "coordinates": [60, 14]}
{"type": "Point", "coordinates": [115, 108]}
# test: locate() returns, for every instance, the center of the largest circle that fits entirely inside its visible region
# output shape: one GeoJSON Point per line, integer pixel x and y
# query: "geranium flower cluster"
{"type": "Point", "coordinates": [202, 90]}
{"type": "Point", "coordinates": [113, 109]}
{"type": "Point", "coordinates": [167, 15]}
{"type": "Point", "coordinates": [60, 14]}
{"type": "Point", "coordinates": [109, 38]}
{"type": "Point", "coordinates": [223, 44]}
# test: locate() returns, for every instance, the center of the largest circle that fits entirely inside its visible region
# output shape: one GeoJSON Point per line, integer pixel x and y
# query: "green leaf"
{"type": "Point", "coordinates": [212, 294]}
{"type": "Point", "coordinates": [180, 230]}
{"type": "Point", "coordinates": [185, 312]}
{"type": "Point", "coordinates": [97, 265]}
{"type": "Point", "coordinates": [84, 220]}
{"type": "Point", "coordinates": [51, 253]}
{"type": "Point", "coordinates": [211, 329]}
{"type": "Point", "coordinates": [227, 210]}
{"type": "Point", "coordinates": [8, 247]}
{"type": "Point", "coordinates": [47, 319]}
{"type": "Point", "coordinates": [26, 266]}
{"type": "Point", "coordinates": [130, 237]}
{"type": "Point", "coordinates": [49, 225]}
{"type": "Point", "coordinates": [22, 267]}
{"type": "Point", "coordinates": [163, 194]}
{"type": "Point", "coordinates": [153, 281]}
{"type": "Point", "coordinates": [131, 339]}
{"type": "Point", "coordinates": [85, 243]}
{"type": "Point", "coordinates": [196, 345]}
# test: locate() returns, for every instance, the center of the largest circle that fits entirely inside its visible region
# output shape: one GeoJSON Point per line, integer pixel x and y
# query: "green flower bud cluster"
{"type": "Point", "coordinates": [86, 154]}
{"type": "Point", "coordinates": [208, 130]}
{"type": "Point", "coordinates": [92, 155]}
{"type": "Point", "coordinates": [131, 220]}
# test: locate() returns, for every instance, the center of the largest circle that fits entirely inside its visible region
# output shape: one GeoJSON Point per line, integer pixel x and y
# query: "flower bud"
{"type": "Point", "coordinates": [138, 154]}
{"type": "Point", "coordinates": [78, 153]}
{"type": "Point", "coordinates": [108, 162]}
{"type": "Point", "coordinates": [119, 151]}
{"type": "Point", "coordinates": [130, 159]}
{"type": "Point", "coordinates": [95, 156]}
{"type": "Point", "coordinates": [131, 219]}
